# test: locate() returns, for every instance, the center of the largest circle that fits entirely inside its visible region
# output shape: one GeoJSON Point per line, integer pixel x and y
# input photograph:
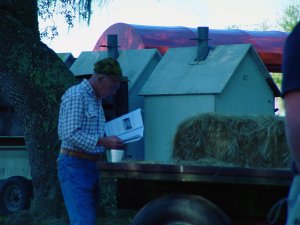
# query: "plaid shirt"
{"type": "Point", "coordinates": [81, 119]}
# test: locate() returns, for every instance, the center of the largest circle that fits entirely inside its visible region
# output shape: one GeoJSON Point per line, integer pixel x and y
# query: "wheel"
{"type": "Point", "coordinates": [180, 209]}
{"type": "Point", "coordinates": [15, 194]}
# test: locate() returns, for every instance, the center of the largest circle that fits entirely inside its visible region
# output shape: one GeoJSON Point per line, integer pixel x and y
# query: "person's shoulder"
{"type": "Point", "coordinates": [74, 91]}
{"type": "Point", "coordinates": [290, 65]}
{"type": "Point", "coordinates": [293, 38]}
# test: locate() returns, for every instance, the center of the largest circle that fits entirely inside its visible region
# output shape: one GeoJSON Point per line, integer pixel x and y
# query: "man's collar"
{"type": "Point", "coordinates": [88, 87]}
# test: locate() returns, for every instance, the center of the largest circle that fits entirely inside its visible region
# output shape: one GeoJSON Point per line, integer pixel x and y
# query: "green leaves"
{"type": "Point", "coordinates": [290, 17]}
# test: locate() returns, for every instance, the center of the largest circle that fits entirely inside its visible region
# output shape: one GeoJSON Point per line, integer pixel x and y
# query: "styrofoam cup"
{"type": "Point", "coordinates": [114, 155]}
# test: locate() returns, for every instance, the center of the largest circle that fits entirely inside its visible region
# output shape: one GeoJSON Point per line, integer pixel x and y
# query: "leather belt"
{"type": "Point", "coordinates": [81, 155]}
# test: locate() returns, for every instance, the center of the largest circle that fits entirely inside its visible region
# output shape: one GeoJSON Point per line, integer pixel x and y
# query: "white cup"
{"type": "Point", "coordinates": [114, 155]}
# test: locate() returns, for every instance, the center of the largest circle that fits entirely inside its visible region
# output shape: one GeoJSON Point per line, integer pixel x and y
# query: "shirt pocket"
{"type": "Point", "coordinates": [91, 118]}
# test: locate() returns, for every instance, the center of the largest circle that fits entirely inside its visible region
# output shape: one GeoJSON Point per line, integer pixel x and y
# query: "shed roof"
{"type": "Point", "coordinates": [67, 58]}
{"type": "Point", "coordinates": [133, 62]}
{"type": "Point", "coordinates": [178, 73]}
{"type": "Point", "coordinates": [84, 64]}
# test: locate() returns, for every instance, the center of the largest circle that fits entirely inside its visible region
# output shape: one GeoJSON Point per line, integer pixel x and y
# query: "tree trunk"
{"type": "Point", "coordinates": [32, 81]}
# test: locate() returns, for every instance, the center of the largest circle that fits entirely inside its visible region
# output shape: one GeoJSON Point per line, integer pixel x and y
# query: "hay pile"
{"type": "Point", "coordinates": [252, 141]}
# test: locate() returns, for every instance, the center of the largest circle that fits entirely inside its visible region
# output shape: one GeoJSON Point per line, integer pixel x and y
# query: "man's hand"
{"type": "Point", "coordinates": [111, 142]}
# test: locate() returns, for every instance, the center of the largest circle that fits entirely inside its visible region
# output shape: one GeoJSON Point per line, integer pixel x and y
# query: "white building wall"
{"type": "Point", "coordinates": [162, 115]}
{"type": "Point", "coordinates": [247, 92]}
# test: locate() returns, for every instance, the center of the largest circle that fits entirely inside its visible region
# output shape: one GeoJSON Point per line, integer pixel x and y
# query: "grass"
{"type": "Point", "coordinates": [2, 219]}
{"type": "Point", "coordinates": [107, 210]}
{"type": "Point", "coordinates": [121, 217]}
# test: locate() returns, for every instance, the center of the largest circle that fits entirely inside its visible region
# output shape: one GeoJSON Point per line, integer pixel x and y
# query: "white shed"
{"type": "Point", "coordinates": [231, 80]}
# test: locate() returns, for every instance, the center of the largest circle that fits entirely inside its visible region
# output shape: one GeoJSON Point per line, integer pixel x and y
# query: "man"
{"type": "Point", "coordinates": [291, 94]}
{"type": "Point", "coordinates": [81, 131]}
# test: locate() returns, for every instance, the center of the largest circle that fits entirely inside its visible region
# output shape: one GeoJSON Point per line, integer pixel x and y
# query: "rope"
{"type": "Point", "coordinates": [275, 211]}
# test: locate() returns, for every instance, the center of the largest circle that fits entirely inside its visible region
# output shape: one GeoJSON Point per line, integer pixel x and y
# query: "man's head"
{"type": "Point", "coordinates": [107, 77]}
{"type": "Point", "coordinates": [111, 68]}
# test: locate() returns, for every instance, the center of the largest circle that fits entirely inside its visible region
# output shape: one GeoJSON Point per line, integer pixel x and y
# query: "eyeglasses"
{"type": "Point", "coordinates": [114, 87]}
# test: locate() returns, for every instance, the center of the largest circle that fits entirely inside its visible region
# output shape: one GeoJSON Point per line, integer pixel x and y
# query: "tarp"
{"type": "Point", "coordinates": [268, 44]}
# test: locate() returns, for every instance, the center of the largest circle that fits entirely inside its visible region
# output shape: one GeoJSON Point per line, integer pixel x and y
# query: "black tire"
{"type": "Point", "coordinates": [15, 194]}
{"type": "Point", "coordinates": [180, 209]}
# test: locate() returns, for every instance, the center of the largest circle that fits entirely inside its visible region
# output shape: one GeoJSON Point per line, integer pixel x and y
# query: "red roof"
{"type": "Point", "coordinates": [268, 44]}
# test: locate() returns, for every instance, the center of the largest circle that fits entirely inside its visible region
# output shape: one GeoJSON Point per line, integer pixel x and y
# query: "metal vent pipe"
{"type": "Point", "coordinates": [112, 46]}
{"type": "Point", "coordinates": [202, 47]}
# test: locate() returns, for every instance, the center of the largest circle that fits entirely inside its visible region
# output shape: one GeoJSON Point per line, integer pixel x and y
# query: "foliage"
{"type": "Point", "coordinates": [108, 211]}
{"type": "Point", "coordinates": [290, 17]}
{"type": "Point", "coordinates": [277, 77]}
{"type": "Point", "coordinates": [121, 217]}
{"type": "Point", "coordinates": [69, 9]}
{"type": "Point", "coordinates": [108, 201]}
{"type": "Point", "coordinates": [263, 26]}
{"type": "Point", "coordinates": [2, 219]}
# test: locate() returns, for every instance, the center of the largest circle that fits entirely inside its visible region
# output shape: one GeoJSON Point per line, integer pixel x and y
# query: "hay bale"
{"type": "Point", "coordinates": [243, 141]}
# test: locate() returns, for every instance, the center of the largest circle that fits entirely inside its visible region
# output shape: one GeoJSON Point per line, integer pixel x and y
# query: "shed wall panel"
{"type": "Point", "coordinates": [247, 93]}
{"type": "Point", "coordinates": [162, 116]}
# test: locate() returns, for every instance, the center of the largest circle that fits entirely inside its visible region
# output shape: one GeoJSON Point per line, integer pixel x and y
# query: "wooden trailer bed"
{"type": "Point", "coordinates": [245, 194]}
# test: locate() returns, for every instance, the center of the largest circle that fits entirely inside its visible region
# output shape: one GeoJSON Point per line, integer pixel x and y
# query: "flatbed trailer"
{"type": "Point", "coordinates": [245, 195]}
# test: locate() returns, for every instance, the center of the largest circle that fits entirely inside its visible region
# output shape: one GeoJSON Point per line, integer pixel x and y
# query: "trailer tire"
{"type": "Point", "coordinates": [183, 209]}
{"type": "Point", "coordinates": [15, 194]}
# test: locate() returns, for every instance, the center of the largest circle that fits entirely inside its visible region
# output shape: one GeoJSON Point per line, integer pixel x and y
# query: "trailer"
{"type": "Point", "coordinates": [243, 196]}
{"type": "Point", "coordinates": [166, 192]}
{"type": "Point", "coordinates": [15, 180]}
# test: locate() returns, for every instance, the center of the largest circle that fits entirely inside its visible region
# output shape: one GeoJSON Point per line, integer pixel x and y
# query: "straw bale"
{"type": "Point", "coordinates": [242, 141]}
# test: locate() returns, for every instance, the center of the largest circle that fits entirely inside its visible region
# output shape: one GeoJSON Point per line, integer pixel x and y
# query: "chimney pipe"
{"type": "Point", "coordinates": [202, 47]}
{"type": "Point", "coordinates": [112, 46]}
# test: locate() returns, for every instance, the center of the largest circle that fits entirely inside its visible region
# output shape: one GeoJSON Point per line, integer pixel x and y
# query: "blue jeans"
{"type": "Point", "coordinates": [79, 184]}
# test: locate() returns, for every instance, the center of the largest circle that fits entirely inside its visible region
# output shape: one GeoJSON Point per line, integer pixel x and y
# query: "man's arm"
{"type": "Point", "coordinates": [292, 108]}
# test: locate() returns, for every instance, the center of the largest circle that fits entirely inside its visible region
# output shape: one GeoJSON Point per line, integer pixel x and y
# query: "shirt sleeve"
{"type": "Point", "coordinates": [291, 62]}
{"type": "Point", "coordinates": [70, 124]}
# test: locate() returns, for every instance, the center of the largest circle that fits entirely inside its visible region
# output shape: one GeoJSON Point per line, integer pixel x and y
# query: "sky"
{"type": "Point", "coordinates": [216, 14]}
